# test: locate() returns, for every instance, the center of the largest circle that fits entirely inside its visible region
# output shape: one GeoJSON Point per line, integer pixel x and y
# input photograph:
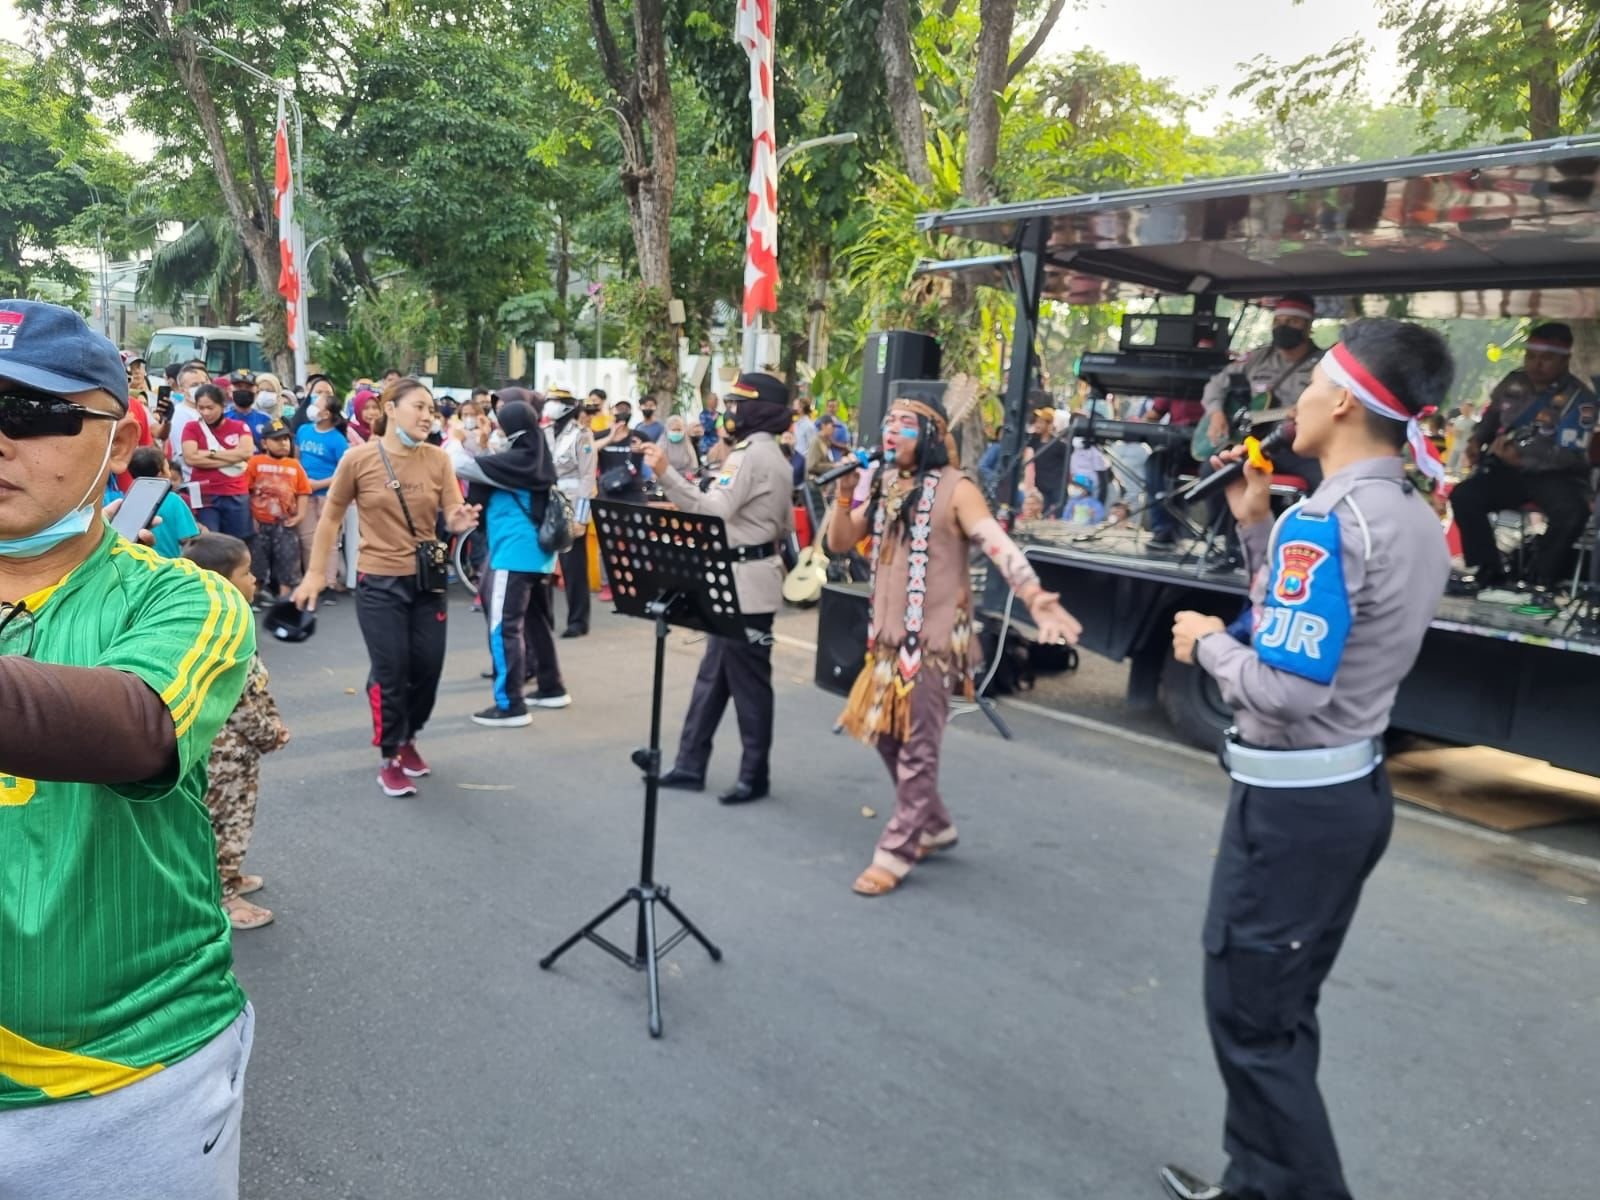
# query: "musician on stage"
{"type": "Point", "coordinates": [1531, 446]}
{"type": "Point", "coordinates": [1280, 371]}
{"type": "Point", "coordinates": [1345, 585]}
{"type": "Point", "coordinates": [922, 514]}
{"type": "Point", "coordinates": [1282, 368]}
{"type": "Point", "coordinates": [752, 492]}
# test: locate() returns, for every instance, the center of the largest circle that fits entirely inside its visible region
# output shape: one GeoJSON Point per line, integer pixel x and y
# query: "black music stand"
{"type": "Point", "coordinates": [672, 568]}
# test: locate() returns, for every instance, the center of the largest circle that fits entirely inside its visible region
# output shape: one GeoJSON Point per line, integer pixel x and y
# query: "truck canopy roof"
{"type": "Point", "coordinates": [1497, 231]}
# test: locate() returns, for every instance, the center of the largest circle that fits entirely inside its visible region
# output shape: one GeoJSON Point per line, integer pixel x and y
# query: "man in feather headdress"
{"type": "Point", "coordinates": [922, 513]}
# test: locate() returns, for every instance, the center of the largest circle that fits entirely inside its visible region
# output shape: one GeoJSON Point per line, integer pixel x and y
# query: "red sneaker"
{"type": "Point", "coordinates": [411, 762]}
{"type": "Point", "coordinates": [605, 594]}
{"type": "Point", "coordinates": [394, 781]}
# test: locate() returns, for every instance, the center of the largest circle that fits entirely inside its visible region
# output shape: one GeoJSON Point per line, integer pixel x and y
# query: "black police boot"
{"type": "Point", "coordinates": [682, 781]}
{"type": "Point", "coordinates": [743, 792]}
{"type": "Point", "coordinates": [1181, 1185]}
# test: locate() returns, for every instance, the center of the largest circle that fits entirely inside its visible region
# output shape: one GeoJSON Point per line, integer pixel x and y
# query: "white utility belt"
{"type": "Point", "coordinates": [1322, 767]}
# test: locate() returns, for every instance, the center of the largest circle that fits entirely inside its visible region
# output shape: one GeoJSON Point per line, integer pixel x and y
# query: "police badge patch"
{"type": "Point", "coordinates": [1303, 626]}
{"type": "Point", "coordinates": [1297, 563]}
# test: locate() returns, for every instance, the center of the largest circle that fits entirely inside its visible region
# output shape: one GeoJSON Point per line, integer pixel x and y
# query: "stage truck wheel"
{"type": "Point", "coordinates": [1193, 705]}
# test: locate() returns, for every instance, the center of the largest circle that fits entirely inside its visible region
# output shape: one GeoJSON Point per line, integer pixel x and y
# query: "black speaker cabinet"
{"type": "Point", "coordinates": [841, 635]}
{"type": "Point", "coordinates": [890, 355]}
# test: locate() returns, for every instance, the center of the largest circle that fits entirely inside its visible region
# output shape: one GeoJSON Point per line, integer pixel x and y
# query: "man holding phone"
{"type": "Point", "coordinates": [123, 1033]}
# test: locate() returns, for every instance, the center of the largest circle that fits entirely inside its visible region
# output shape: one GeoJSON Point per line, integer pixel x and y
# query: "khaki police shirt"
{"type": "Point", "coordinates": [752, 491]}
{"type": "Point", "coordinates": [1264, 367]}
{"type": "Point", "coordinates": [1395, 564]}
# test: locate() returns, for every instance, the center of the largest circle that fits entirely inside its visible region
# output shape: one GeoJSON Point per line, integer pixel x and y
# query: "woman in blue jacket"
{"type": "Point", "coordinates": [514, 488]}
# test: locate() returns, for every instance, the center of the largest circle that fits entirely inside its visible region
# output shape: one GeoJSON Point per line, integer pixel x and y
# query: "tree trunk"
{"type": "Point", "coordinates": [983, 108]}
{"type": "Point", "coordinates": [649, 164]}
{"type": "Point", "coordinates": [262, 248]}
{"type": "Point", "coordinates": [900, 77]}
{"type": "Point", "coordinates": [817, 309]}
{"type": "Point", "coordinates": [1544, 80]}
{"type": "Point", "coordinates": [563, 282]}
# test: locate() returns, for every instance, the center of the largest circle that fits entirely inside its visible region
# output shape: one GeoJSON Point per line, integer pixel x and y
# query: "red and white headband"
{"type": "Point", "coordinates": [1347, 371]}
{"type": "Point", "coordinates": [1549, 347]}
{"type": "Point", "coordinates": [1293, 308]}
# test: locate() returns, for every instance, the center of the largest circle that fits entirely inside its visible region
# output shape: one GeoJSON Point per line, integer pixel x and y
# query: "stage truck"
{"type": "Point", "coordinates": [1507, 231]}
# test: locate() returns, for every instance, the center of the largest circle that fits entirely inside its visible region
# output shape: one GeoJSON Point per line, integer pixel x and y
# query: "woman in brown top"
{"type": "Point", "coordinates": [922, 513]}
{"type": "Point", "coordinates": [399, 485]}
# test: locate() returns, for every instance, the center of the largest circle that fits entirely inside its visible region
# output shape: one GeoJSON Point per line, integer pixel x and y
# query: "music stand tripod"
{"type": "Point", "coordinates": [672, 568]}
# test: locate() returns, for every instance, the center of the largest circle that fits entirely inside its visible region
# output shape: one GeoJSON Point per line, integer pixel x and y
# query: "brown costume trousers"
{"type": "Point", "coordinates": [914, 766]}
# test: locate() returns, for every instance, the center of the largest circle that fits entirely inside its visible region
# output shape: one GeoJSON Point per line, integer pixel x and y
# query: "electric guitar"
{"type": "Point", "coordinates": [1244, 419]}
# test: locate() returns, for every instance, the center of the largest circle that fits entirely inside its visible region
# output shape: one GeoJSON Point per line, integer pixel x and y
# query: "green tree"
{"type": "Point", "coordinates": [61, 182]}
{"type": "Point", "coordinates": [433, 171]}
{"type": "Point", "coordinates": [1511, 69]}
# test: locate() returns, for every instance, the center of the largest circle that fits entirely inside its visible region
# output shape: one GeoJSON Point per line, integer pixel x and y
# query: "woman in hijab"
{"type": "Point", "coordinates": [514, 489]}
{"type": "Point", "coordinates": [367, 407]}
{"type": "Point", "coordinates": [680, 449]}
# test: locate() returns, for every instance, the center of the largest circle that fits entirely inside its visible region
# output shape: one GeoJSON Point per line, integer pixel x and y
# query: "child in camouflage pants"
{"type": "Point", "coordinates": [234, 771]}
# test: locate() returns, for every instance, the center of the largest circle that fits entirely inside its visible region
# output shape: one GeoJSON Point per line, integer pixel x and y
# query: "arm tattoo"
{"type": "Point", "coordinates": [1004, 553]}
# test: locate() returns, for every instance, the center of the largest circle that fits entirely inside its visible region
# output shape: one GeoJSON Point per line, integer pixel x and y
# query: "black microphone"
{"type": "Point", "coordinates": [853, 461]}
{"type": "Point", "coordinates": [1279, 439]}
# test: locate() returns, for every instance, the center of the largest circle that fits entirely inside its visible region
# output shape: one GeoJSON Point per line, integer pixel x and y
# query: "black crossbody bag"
{"type": "Point", "coordinates": [433, 556]}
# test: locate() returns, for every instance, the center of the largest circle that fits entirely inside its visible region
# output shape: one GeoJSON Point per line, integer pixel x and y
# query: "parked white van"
{"type": "Point", "coordinates": [223, 348]}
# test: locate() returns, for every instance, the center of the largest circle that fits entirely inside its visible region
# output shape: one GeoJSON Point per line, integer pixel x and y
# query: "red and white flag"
{"type": "Point", "coordinates": [753, 29]}
{"type": "Point", "coordinates": [288, 256]}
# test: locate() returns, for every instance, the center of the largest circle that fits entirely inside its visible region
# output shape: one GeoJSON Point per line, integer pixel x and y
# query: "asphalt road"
{"type": "Point", "coordinates": [1021, 1019]}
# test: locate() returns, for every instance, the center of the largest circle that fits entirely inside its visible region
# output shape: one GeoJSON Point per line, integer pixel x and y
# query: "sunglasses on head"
{"type": "Point", "coordinates": [28, 413]}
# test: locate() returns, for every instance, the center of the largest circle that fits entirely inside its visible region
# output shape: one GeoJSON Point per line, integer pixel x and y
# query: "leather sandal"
{"type": "Point", "coordinates": [945, 839]}
{"type": "Point", "coordinates": [875, 881]}
{"type": "Point", "coordinates": [249, 885]}
{"type": "Point", "coordinates": [244, 915]}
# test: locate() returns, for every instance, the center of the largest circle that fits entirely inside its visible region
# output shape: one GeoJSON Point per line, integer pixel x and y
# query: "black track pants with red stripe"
{"type": "Point", "coordinates": [405, 634]}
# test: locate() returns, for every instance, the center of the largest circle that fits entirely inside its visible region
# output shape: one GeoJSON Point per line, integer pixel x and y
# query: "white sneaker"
{"type": "Point", "coordinates": [556, 700]}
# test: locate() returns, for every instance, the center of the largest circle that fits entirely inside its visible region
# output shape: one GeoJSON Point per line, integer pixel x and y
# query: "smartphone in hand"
{"type": "Point", "coordinates": [139, 507]}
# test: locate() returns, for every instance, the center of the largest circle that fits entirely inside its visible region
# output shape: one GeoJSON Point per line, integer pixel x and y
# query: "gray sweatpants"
{"type": "Point", "coordinates": [173, 1134]}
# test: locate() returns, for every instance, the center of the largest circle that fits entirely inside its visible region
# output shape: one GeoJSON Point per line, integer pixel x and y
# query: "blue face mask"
{"type": "Point", "coordinates": [65, 527]}
{"type": "Point", "coordinates": [406, 440]}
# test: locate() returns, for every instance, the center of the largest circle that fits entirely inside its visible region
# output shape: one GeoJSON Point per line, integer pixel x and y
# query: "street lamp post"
{"type": "Point", "coordinates": [751, 348]}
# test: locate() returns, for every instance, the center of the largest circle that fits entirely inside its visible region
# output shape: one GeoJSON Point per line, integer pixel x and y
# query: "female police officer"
{"type": "Point", "coordinates": [751, 491]}
{"type": "Point", "coordinates": [1345, 584]}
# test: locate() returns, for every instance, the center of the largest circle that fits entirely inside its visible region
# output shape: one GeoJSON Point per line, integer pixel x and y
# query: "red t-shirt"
{"type": "Point", "coordinates": [275, 484]}
{"type": "Point", "coordinates": [141, 417]}
{"type": "Point", "coordinates": [218, 481]}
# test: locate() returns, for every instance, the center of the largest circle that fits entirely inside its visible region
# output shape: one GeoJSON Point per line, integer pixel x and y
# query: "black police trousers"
{"type": "Point", "coordinates": [404, 629]}
{"type": "Point", "coordinates": [1287, 879]}
{"type": "Point", "coordinates": [575, 581]}
{"type": "Point", "coordinates": [740, 671]}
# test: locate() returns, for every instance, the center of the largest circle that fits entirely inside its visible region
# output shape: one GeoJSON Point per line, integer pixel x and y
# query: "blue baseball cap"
{"type": "Point", "coordinates": [48, 347]}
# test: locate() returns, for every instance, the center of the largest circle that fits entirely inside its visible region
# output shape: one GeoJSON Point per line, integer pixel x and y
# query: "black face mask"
{"type": "Point", "coordinates": [243, 399]}
{"type": "Point", "coordinates": [648, 413]}
{"type": "Point", "coordinates": [1287, 337]}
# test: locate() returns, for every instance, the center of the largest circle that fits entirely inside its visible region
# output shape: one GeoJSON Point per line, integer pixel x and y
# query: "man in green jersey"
{"type": "Point", "coordinates": [123, 1033]}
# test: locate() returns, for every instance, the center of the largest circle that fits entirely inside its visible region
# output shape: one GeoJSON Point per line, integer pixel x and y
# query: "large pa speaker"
{"type": "Point", "coordinates": [890, 355]}
{"type": "Point", "coordinates": [842, 619]}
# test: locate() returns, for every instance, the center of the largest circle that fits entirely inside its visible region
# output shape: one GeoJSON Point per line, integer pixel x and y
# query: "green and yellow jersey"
{"type": "Point", "coordinates": [115, 959]}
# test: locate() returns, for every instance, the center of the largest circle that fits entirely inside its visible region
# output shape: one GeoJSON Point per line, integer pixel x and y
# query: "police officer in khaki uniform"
{"type": "Point", "coordinates": [1345, 584]}
{"type": "Point", "coordinates": [752, 493]}
{"type": "Point", "coordinates": [1281, 369]}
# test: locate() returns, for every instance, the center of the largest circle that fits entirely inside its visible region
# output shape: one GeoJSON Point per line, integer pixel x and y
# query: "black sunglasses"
{"type": "Point", "coordinates": [27, 413]}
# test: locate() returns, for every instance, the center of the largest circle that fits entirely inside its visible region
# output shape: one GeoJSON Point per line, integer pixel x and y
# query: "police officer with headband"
{"type": "Point", "coordinates": [1344, 586]}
